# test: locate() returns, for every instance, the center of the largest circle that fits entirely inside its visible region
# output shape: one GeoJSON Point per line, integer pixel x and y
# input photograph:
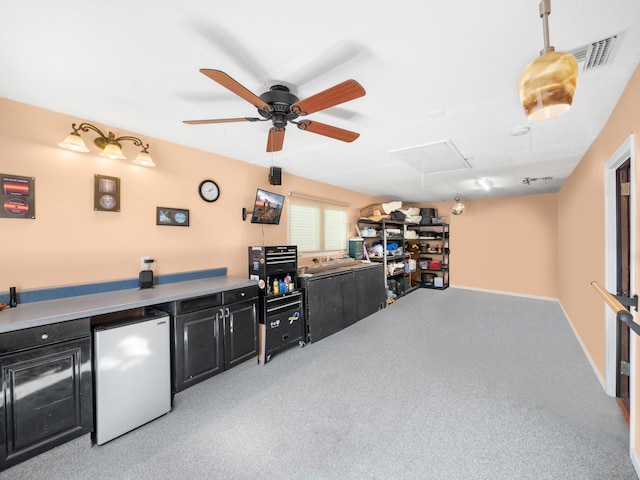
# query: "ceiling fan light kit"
{"type": "Point", "coordinates": [282, 107]}
{"type": "Point", "coordinates": [109, 144]}
{"type": "Point", "coordinates": [548, 83]}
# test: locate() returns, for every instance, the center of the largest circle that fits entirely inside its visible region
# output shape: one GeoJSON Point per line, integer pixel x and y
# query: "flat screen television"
{"type": "Point", "coordinates": [267, 208]}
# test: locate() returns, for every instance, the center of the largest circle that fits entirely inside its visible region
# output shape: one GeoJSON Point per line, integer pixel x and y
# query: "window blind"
{"type": "Point", "coordinates": [316, 225]}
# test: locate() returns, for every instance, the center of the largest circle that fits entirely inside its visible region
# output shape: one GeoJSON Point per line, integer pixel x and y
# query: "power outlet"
{"type": "Point", "coordinates": [143, 264]}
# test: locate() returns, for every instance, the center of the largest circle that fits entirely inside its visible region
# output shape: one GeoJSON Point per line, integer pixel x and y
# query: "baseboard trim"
{"type": "Point", "coordinates": [635, 461]}
{"type": "Point", "coordinates": [501, 292]}
{"type": "Point", "coordinates": [593, 364]}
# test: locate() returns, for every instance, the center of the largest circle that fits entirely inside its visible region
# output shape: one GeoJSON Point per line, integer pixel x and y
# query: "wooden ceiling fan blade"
{"type": "Point", "coordinates": [275, 140]}
{"type": "Point", "coordinates": [343, 92]}
{"type": "Point", "coordinates": [328, 130]}
{"type": "Point", "coordinates": [223, 120]}
{"type": "Point", "coordinates": [232, 85]}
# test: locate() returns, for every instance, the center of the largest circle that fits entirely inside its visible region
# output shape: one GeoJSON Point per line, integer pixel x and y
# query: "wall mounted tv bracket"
{"type": "Point", "coordinates": [245, 212]}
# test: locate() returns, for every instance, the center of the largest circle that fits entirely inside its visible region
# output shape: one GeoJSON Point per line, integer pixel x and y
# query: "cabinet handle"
{"type": "Point", "coordinates": [44, 336]}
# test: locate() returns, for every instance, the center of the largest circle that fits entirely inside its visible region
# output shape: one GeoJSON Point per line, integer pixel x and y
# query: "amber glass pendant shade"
{"type": "Point", "coordinates": [547, 85]}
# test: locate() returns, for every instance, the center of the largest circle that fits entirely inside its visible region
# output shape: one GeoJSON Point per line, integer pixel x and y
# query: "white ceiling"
{"type": "Point", "coordinates": [134, 65]}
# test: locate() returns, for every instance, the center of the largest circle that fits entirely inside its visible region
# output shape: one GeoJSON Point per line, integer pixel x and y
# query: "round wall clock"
{"type": "Point", "coordinates": [209, 191]}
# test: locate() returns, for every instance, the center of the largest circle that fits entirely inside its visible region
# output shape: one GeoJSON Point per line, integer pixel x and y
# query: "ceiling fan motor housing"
{"type": "Point", "coordinates": [280, 99]}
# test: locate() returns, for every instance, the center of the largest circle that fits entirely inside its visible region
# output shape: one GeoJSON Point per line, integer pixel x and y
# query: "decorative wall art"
{"type": "Point", "coordinates": [177, 217]}
{"type": "Point", "coordinates": [17, 196]}
{"type": "Point", "coordinates": [106, 193]}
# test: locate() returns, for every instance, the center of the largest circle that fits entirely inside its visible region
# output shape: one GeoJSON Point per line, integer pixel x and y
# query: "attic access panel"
{"type": "Point", "coordinates": [436, 157]}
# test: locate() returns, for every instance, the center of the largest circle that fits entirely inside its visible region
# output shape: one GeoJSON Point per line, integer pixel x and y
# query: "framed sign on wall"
{"type": "Point", "coordinates": [106, 193]}
{"type": "Point", "coordinates": [17, 196]}
{"type": "Point", "coordinates": [177, 217]}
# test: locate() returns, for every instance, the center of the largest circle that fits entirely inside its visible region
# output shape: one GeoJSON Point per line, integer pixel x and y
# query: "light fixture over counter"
{"type": "Point", "coordinates": [548, 83]}
{"type": "Point", "coordinates": [109, 144]}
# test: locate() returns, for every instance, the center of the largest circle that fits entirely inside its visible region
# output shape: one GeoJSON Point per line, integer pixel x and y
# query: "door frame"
{"type": "Point", "coordinates": [624, 152]}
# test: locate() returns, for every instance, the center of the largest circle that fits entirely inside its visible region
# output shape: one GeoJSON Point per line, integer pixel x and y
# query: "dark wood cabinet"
{"type": "Point", "coordinates": [46, 389]}
{"type": "Point", "coordinates": [240, 331]}
{"type": "Point", "coordinates": [212, 333]}
{"type": "Point", "coordinates": [198, 350]}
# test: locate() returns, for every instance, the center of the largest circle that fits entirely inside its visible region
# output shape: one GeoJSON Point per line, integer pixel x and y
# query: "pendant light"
{"type": "Point", "coordinates": [457, 207]}
{"type": "Point", "coordinates": [548, 83]}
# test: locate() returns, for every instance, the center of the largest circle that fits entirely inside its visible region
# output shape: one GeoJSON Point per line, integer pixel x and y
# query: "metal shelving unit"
{"type": "Point", "coordinates": [432, 270]}
{"type": "Point", "coordinates": [401, 276]}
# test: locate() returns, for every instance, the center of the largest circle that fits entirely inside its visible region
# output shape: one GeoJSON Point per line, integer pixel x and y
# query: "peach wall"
{"type": "Point", "coordinates": [505, 244]}
{"type": "Point", "coordinates": [70, 243]}
{"type": "Point", "coordinates": [581, 236]}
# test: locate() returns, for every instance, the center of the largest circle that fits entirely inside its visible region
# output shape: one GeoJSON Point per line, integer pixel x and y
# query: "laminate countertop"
{"type": "Point", "coordinates": [36, 314]}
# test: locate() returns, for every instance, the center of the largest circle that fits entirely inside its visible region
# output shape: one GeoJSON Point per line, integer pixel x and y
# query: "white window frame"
{"type": "Point", "coordinates": [320, 235]}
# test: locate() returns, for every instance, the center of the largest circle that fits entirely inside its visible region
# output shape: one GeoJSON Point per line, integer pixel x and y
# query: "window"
{"type": "Point", "coordinates": [317, 225]}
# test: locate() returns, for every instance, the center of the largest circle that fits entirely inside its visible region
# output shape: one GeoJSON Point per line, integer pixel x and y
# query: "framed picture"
{"type": "Point", "coordinates": [17, 196]}
{"type": "Point", "coordinates": [106, 193]}
{"type": "Point", "coordinates": [177, 217]}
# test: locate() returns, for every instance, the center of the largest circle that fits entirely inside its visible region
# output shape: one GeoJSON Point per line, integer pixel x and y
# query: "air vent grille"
{"type": "Point", "coordinates": [596, 54]}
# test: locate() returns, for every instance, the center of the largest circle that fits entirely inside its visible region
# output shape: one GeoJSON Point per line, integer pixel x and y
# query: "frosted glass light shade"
{"type": "Point", "coordinates": [74, 142]}
{"type": "Point", "coordinates": [113, 152]}
{"type": "Point", "coordinates": [547, 85]}
{"type": "Point", "coordinates": [144, 159]}
{"type": "Point", "coordinates": [457, 207]}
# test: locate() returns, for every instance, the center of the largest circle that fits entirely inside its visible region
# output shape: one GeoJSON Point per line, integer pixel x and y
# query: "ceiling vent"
{"type": "Point", "coordinates": [596, 54]}
{"type": "Point", "coordinates": [530, 180]}
{"type": "Point", "coordinates": [434, 157]}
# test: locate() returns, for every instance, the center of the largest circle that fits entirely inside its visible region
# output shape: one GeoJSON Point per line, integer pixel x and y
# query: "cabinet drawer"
{"type": "Point", "coordinates": [240, 294]}
{"type": "Point", "coordinates": [45, 335]}
{"type": "Point", "coordinates": [195, 304]}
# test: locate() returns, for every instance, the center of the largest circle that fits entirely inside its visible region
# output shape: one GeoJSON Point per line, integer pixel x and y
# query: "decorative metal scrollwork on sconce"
{"type": "Point", "coordinates": [109, 144]}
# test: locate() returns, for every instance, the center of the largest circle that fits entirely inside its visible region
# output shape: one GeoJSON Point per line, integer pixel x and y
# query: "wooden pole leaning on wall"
{"type": "Point", "coordinates": [614, 303]}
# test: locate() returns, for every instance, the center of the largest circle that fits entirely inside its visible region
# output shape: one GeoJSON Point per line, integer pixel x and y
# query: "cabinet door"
{"type": "Point", "coordinates": [46, 399]}
{"type": "Point", "coordinates": [349, 292]}
{"type": "Point", "coordinates": [197, 348]}
{"type": "Point", "coordinates": [240, 332]}
{"type": "Point", "coordinates": [372, 294]}
{"type": "Point", "coordinates": [331, 304]}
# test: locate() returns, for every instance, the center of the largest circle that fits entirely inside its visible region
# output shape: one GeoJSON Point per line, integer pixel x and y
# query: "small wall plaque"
{"type": "Point", "coordinates": [106, 193]}
{"type": "Point", "coordinates": [17, 196]}
{"type": "Point", "coordinates": [177, 217]}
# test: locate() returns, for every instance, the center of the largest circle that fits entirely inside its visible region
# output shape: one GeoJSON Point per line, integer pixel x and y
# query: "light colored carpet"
{"type": "Point", "coordinates": [453, 384]}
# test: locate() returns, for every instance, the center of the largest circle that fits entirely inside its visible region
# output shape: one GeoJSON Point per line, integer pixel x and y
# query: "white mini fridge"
{"type": "Point", "coordinates": [132, 372]}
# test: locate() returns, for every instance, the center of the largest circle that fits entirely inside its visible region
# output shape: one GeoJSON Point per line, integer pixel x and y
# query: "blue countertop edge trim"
{"type": "Point", "coordinates": [39, 295]}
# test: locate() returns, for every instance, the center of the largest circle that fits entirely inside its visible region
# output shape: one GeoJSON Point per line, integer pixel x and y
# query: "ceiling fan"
{"type": "Point", "coordinates": [281, 107]}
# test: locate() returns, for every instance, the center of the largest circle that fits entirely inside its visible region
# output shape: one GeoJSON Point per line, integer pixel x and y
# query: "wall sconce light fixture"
{"type": "Point", "coordinates": [457, 207]}
{"type": "Point", "coordinates": [548, 83]}
{"type": "Point", "coordinates": [109, 144]}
